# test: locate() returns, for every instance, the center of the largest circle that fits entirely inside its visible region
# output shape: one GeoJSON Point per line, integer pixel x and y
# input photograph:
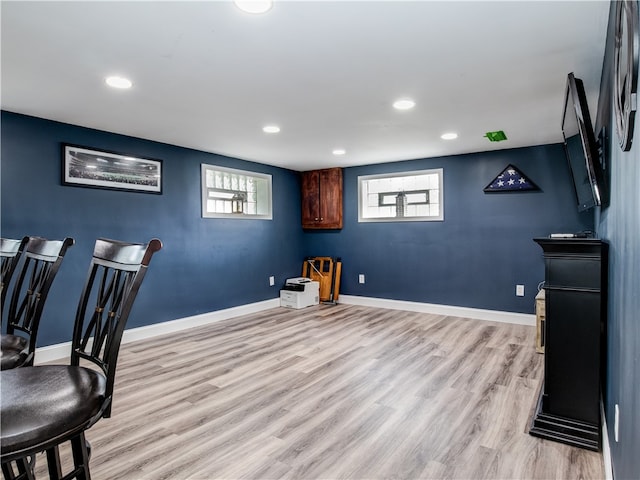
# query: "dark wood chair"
{"type": "Point", "coordinates": [44, 406]}
{"type": "Point", "coordinates": [10, 252]}
{"type": "Point", "coordinates": [42, 260]}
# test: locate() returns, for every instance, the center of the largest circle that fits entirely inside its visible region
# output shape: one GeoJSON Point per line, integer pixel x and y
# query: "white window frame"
{"type": "Point", "coordinates": [264, 194]}
{"type": "Point", "coordinates": [431, 218]}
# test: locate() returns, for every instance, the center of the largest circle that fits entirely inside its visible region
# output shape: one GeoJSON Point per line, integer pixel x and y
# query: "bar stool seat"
{"type": "Point", "coordinates": [13, 351]}
{"type": "Point", "coordinates": [46, 405]}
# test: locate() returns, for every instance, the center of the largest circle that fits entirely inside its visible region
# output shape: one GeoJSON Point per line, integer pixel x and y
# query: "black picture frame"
{"type": "Point", "coordinates": [88, 167]}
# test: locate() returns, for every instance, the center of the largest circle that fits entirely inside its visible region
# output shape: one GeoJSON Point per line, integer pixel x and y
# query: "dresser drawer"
{"type": "Point", "coordinates": [579, 273]}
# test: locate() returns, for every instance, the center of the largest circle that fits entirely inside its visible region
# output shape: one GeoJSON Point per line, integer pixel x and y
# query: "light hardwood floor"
{"type": "Point", "coordinates": [332, 392]}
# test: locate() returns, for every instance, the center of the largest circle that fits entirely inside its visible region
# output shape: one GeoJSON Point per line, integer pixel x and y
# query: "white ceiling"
{"type": "Point", "coordinates": [208, 76]}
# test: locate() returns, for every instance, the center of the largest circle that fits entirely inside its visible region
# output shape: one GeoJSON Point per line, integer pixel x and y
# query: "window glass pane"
{"type": "Point", "coordinates": [422, 210]}
{"type": "Point", "coordinates": [424, 181]}
{"type": "Point", "coordinates": [387, 211]}
{"type": "Point", "coordinates": [388, 199]}
{"type": "Point", "coordinates": [410, 183]}
{"type": "Point", "coordinates": [405, 196]}
{"type": "Point", "coordinates": [235, 193]}
{"type": "Point", "coordinates": [396, 184]}
{"type": "Point", "coordinates": [420, 197]}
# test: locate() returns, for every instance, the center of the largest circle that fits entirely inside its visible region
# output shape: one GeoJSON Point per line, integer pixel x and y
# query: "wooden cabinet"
{"type": "Point", "coordinates": [568, 408]}
{"type": "Point", "coordinates": [322, 199]}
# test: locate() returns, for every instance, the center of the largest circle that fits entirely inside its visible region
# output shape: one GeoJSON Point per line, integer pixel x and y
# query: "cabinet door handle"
{"type": "Point", "coordinates": [321, 219]}
{"type": "Point", "coordinates": [316, 219]}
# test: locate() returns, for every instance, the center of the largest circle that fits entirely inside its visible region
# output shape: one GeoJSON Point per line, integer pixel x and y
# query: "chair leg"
{"type": "Point", "coordinates": [53, 463]}
{"type": "Point", "coordinates": [80, 457]}
{"type": "Point", "coordinates": [80, 460]}
{"type": "Point", "coordinates": [7, 471]}
{"type": "Point", "coordinates": [25, 472]}
{"type": "Point", "coordinates": [25, 469]}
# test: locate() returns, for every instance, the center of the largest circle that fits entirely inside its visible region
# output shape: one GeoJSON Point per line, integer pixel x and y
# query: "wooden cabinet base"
{"type": "Point", "coordinates": [575, 287]}
{"type": "Point", "coordinates": [565, 430]}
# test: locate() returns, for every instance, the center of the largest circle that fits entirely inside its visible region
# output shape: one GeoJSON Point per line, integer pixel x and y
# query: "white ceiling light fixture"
{"type": "Point", "coordinates": [449, 136]}
{"type": "Point", "coordinates": [271, 129]}
{"type": "Point", "coordinates": [254, 6]}
{"type": "Point", "coordinates": [404, 104]}
{"type": "Point", "coordinates": [339, 151]}
{"type": "Point", "coordinates": [118, 82]}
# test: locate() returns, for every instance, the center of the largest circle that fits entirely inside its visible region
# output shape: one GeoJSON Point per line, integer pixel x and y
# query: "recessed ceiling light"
{"type": "Point", "coordinates": [254, 6]}
{"type": "Point", "coordinates": [404, 104]}
{"type": "Point", "coordinates": [339, 151]}
{"type": "Point", "coordinates": [118, 82]}
{"type": "Point", "coordinates": [271, 129]}
{"type": "Point", "coordinates": [449, 136]}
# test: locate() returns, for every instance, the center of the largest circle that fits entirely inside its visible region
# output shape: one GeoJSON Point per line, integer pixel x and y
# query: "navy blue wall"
{"type": "Point", "coordinates": [482, 249]}
{"type": "Point", "coordinates": [619, 225]}
{"type": "Point", "coordinates": [474, 258]}
{"type": "Point", "coordinates": [205, 265]}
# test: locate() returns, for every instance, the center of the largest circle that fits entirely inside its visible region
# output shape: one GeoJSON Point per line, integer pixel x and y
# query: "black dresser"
{"type": "Point", "coordinates": [568, 408]}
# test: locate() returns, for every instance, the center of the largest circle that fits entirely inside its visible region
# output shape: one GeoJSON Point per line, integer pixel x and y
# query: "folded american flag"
{"type": "Point", "coordinates": [511, 180]}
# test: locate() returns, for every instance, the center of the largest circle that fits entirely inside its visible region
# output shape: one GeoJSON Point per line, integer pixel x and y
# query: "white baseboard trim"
{"type": "Point", "coordinates": [149, 331]}
{"type": "Point", "coordinates": [476, 313]}
{"type": "Point", "coordinates": [63, 350]}
{"type": "Point", "coordinates": [52, 353]}
{"type": "Point", "coordinates": [606, 448]}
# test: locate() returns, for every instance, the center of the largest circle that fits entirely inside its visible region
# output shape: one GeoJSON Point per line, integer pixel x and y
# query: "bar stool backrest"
{"type": "Point", "coordinates": [115, 275]}
{"type": "Point", "coordinates": [42, 260]}
{"type": "Point", "coordinates": [10, 252]}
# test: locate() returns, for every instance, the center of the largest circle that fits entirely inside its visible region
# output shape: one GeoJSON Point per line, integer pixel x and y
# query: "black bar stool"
{"type": "Point", "coordinates": [42, 260]}
{"type": "Point", "coordinates": [42, 407]}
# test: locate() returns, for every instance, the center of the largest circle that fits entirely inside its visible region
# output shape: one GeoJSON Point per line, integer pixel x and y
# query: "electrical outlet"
{"type": "Point", "coordinates": [616, 422]}
{"type": "Point", "coordinates": [519, 290]}
{"type": "Point", "coordinates": [361, 278]}
{"type": "Point", "coordinates": [272, 281]}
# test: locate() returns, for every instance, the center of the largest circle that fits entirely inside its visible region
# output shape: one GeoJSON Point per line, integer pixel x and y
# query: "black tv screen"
{"type": "Point", "coordinates": [581, 147]}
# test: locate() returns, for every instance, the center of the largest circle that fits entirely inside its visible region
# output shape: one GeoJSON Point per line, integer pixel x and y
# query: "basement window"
{"type": "Point", "coordinates": [231, 193]}
{"type": "Point", "coordinates": [401, 197]}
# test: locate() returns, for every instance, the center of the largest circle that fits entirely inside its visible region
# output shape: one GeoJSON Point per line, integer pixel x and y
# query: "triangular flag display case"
{"type": "Point", "coordinates": [511, 180]}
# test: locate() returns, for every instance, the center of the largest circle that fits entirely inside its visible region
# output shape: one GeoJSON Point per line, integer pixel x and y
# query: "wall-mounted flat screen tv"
{"type": "Point", "coordinates": [581, 147]}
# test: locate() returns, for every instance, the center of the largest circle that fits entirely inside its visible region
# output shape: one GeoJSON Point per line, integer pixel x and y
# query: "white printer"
{"type": "Point", "coordinates": [299, 292]}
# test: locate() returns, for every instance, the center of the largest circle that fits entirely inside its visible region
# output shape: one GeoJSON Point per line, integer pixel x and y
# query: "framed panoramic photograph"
{"type": "Point", "coordinates": [84, 167]}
